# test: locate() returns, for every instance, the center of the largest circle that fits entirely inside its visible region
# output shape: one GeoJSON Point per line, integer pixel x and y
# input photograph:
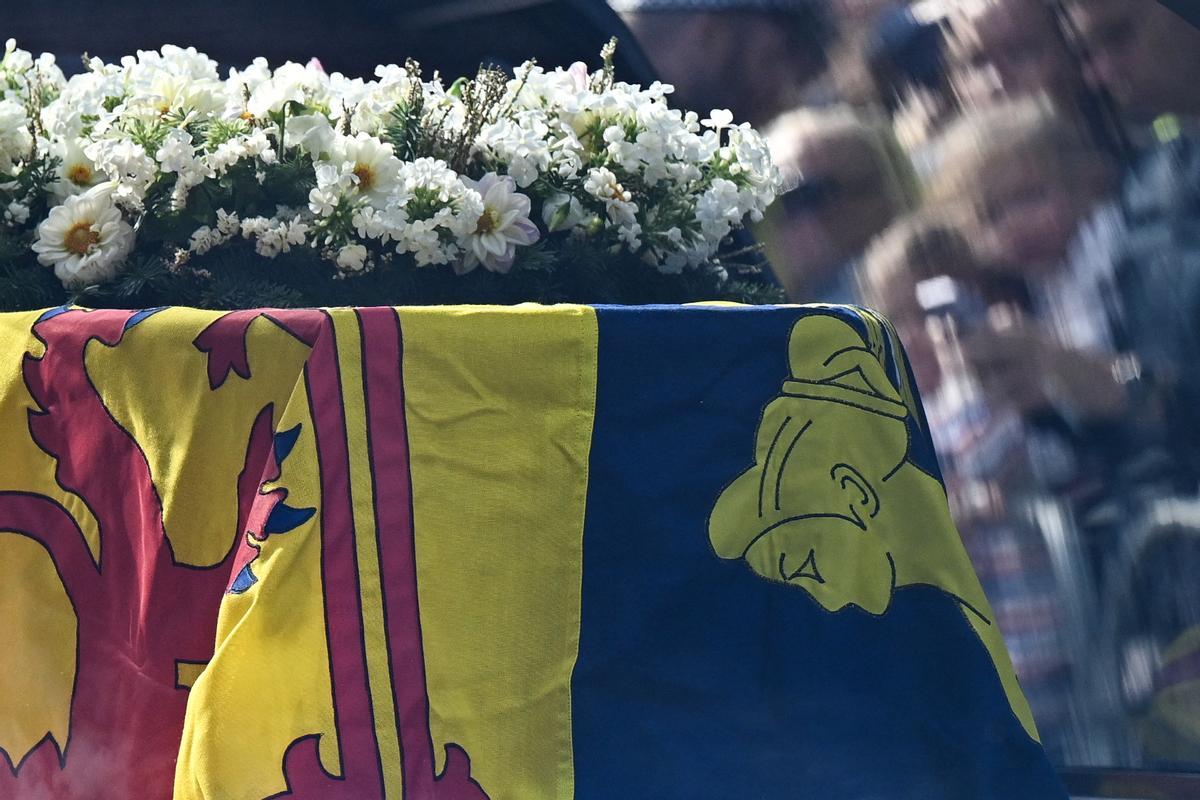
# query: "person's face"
{"type": "Point", "coordinates": [1146, 56]}
{"type": "Point", "coordinates": [857, 199]}
{"type": "Point", "coordinates": [1012, 49]}
{"type": "Point", "coordinates": [1027, 215]}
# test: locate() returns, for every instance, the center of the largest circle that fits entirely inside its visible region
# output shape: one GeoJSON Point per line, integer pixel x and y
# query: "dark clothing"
{"type": "Point", "coordinates": [1158, 277]}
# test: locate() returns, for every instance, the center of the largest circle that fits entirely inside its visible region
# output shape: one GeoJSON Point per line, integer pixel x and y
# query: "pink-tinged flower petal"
{"type": "Point", "coordinates": [528, 232]}
{"type": "Point", "coordinates": [520, 202]}
{"type": "Point", "coordinates": [465, 264]}
{"type": "Point", "coordinates": [579, 75]}
{"type": "Point", "coordinates": [503, 263]}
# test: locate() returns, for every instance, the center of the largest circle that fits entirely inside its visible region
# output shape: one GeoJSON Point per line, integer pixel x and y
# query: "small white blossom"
{"type": "Point", "coordinates": [718, 119]}
{"type": "Point", "coordinates": [16, 213]}
{"type": "Point", "coordinates": [352, 257]}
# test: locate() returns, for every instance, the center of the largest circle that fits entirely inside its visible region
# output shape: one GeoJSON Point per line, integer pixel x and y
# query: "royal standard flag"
{"type": "Point", "coordinates": [478, 552]}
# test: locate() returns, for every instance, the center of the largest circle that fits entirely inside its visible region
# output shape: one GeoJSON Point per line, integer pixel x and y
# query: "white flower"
{"type": "Point", "coordinates": [16, 213]}
{"type": "Point", "coordinates": [291, 83]}
{"type": "Point", "coordinates": [602, 184]}
{"type": "Point", "coordinates": [322, 202]}
{"type": "Point", "coordinates": [520, 144]}
{"type": "Point", "coordinates": [311, 132]}
{"type": "Point", "coordinates": [386, 225]}
{"type": "Point", "coordinates": [718, 119]}
{"type": "Point", "coordinates": [629, 235]}
{"type": "Point", "coordinates": [562, 212]}
{"type": "Point", "coordinates": [15, 139]}
{"type": "Point", "coordinates": [227, 223]}
{"type": "Point", "coordinates": [375, 171]}
{"type": "Point", "coordinates": [85, 239]}
{"type": "Point", "coordinates": [202, 240]}
{"type": "Point", "coordinates": [76, 172]}
{"type": "Point", "coordinates": [352, 257]}
{"type": "Point", "coordinates": [501, 228]}
{"type": "Point", "coordinates": [718, 210]}
{"type": "Point", "coordinates": [124, 162]}
{"type": "Point", "coordinates": [176, 154]}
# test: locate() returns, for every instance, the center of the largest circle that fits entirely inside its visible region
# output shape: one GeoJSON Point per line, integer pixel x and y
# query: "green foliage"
{"type": "Point", "coordinates": [561, 269]}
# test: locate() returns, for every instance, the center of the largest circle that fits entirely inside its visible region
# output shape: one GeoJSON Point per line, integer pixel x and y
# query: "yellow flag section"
{"type": "Point", "coordinates": [499, 405]}
{"type": "Point", "coordinates": [268, 681]}
{"type": "Point", "coordinates": [325, 682]}
{"type": "Point", "coordinates": [36, 678]}
{"type": "Point", "coordinates": [156, 385]}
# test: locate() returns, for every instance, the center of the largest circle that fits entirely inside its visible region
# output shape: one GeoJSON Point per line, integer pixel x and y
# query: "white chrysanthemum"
{"type": "Point", "coordinates": [85, 239]}
{"type": "Point", "coordinates": [374, 169]}
{"type": "Point", "coordinates": [502, 227]}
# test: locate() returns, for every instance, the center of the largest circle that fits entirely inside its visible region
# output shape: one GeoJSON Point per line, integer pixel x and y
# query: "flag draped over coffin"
{"type": "Point", "coordinates": [487, 553]}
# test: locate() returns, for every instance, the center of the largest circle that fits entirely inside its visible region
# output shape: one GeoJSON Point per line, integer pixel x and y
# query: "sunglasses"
{"type": "Point", "coordinates": [809, 195]}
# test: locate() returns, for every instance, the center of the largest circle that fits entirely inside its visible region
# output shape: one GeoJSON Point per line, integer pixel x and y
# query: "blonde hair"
{"type": "Point", "coordinates": [793, 131]}
{"type": "Point", "coordinates": [914, 248]}
{"type": "Point", "coordinates": [1028, 130]}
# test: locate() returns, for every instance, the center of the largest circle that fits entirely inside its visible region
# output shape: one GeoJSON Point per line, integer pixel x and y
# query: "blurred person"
{"type": "Point", "coordinates": [1009, 48]}
{"type": "Point", "coordinates": [753, 57]}
{"type": "Point", "coordinates": [1024, 179]}
{"type": "Point", "coordinates": [915, 248]}
{"type": "Point", "coordinates": [1015, 48]}
{"type": "Point", "coordinates": [907, 55]}
{"type": "Point", "coordinates": [1147, 57]}
{"type": "Point", "coordinates": [1144, 54]}
{"type": "Point", "coordinates": [845, 180]}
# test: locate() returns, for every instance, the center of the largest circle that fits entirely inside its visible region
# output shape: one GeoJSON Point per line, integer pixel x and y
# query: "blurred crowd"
{"type": "Point", "coordinates": [1016, 184]}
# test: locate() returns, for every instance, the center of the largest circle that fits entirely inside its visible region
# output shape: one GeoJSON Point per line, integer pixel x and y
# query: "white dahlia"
{"type": "Point", "coordinates": [501, 228]}
{"type": "Point", "coordinates": [85, 239]}
{"type": "Point", "coordinates": [375, 171]}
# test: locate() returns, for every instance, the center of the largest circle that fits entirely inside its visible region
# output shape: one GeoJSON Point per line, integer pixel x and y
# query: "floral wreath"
{"type": "Point", "coordinates": [155, 181]}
